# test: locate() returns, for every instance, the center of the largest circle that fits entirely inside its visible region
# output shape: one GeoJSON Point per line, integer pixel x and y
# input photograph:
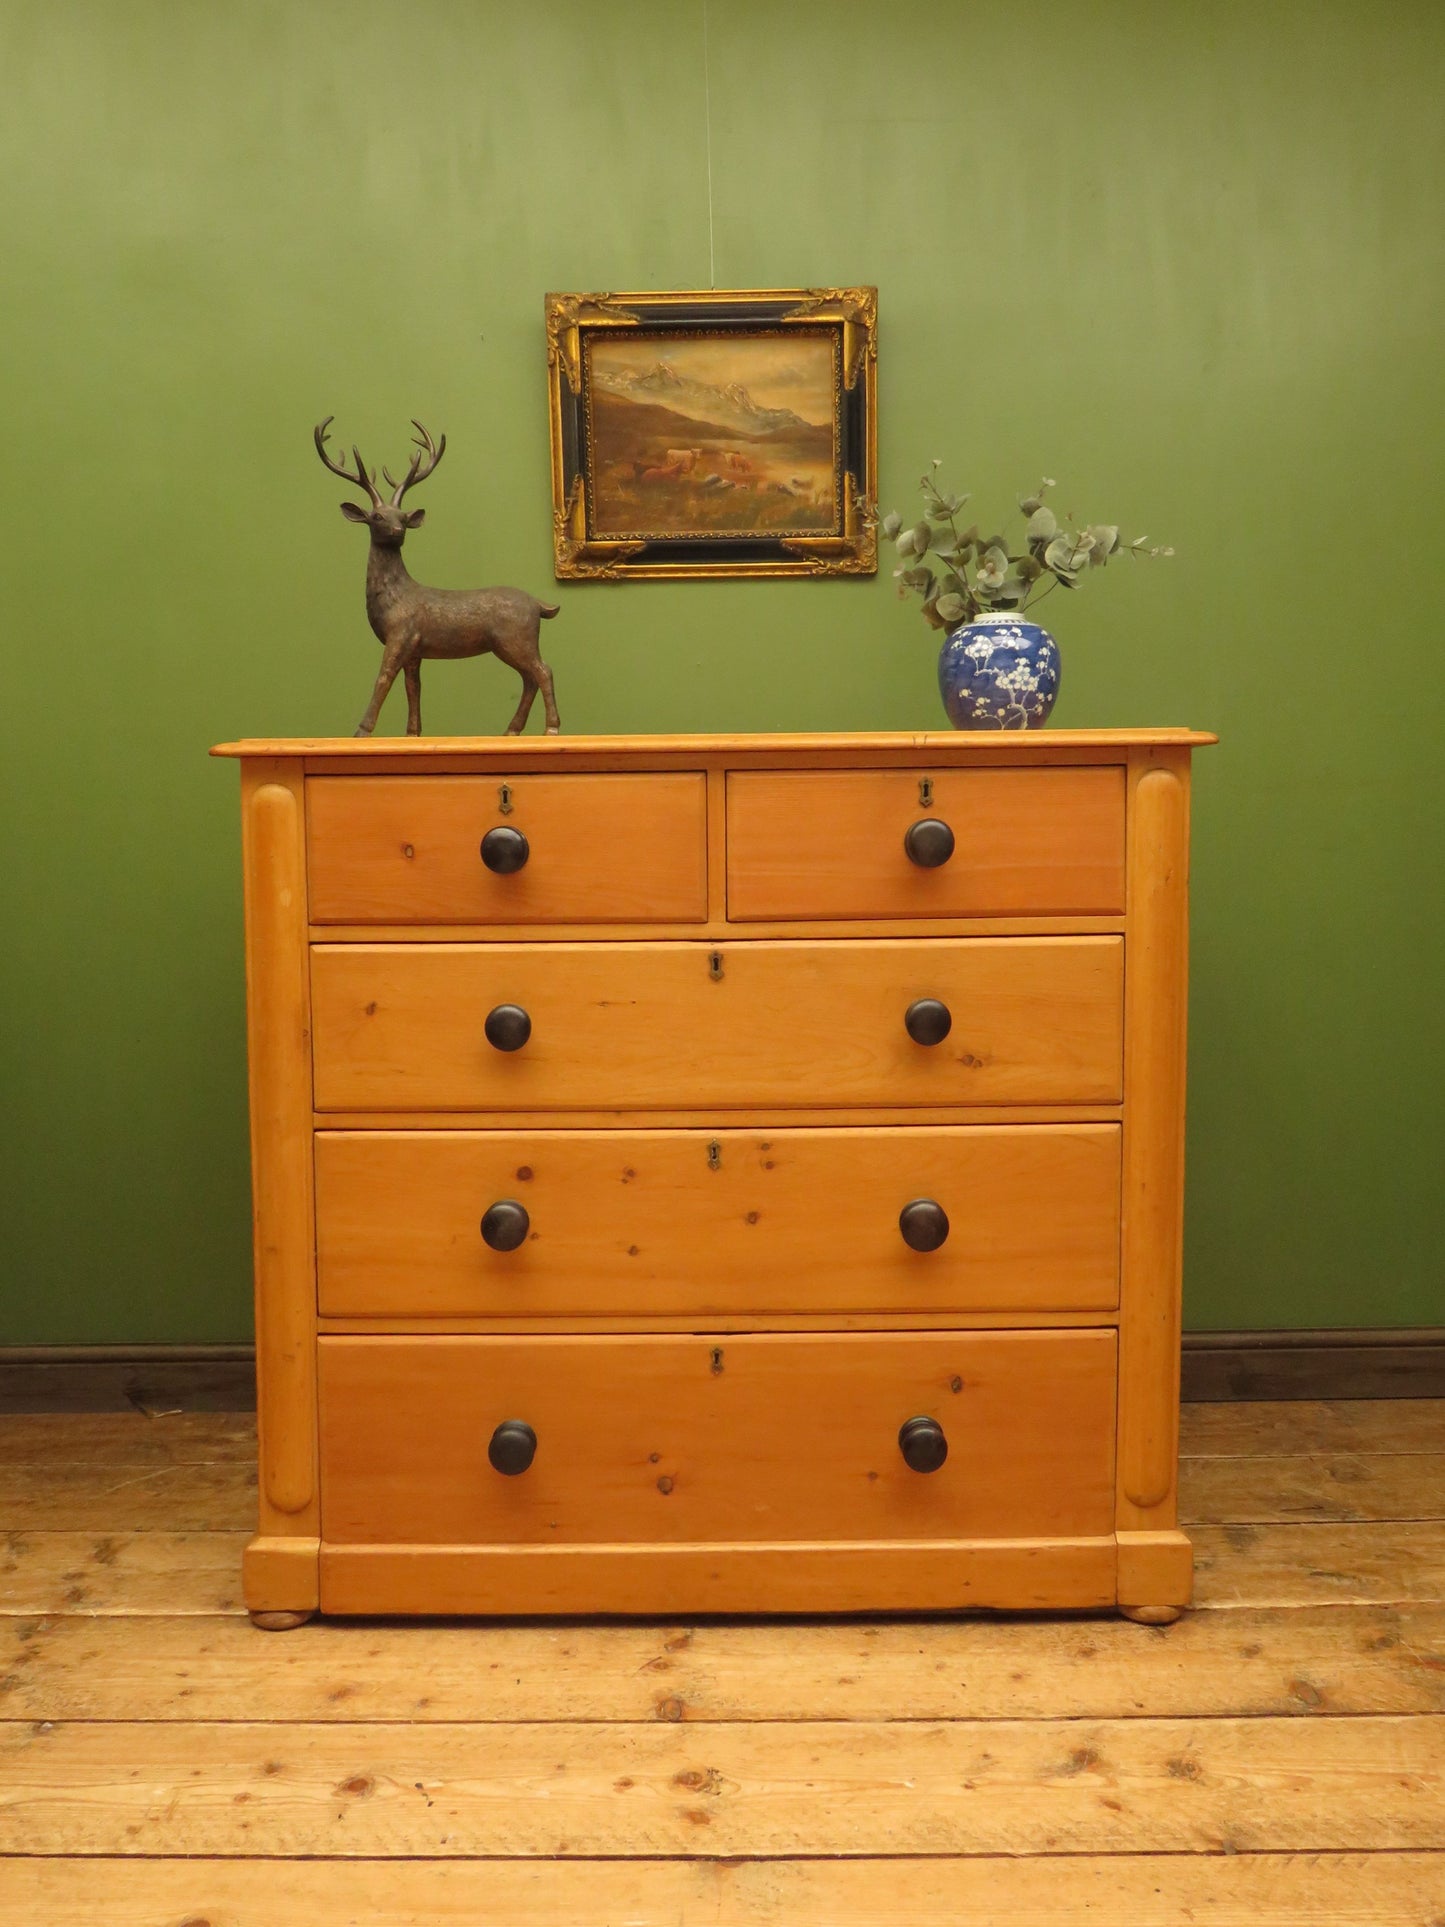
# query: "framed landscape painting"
{"type": "Point", "coordinates": [713, 434]}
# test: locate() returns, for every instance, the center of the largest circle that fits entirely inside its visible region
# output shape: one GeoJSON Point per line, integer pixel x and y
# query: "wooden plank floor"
{"type": "Point", "coordinates": [1277, 1757]}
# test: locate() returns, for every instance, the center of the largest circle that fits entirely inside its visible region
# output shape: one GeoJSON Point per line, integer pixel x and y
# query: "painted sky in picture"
{"type": "Point", "coordinates": [726, 434]}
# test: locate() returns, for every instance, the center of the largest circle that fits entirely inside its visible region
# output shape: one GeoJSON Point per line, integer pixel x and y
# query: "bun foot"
{"type": "Point", "coordinates": [1151, 1615]}
{"type": "Point", "coordinates": [277, 1622]}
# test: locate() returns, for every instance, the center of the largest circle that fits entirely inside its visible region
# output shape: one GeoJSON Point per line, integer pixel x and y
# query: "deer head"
{"type": "Point", "coordinates": [388, 521]}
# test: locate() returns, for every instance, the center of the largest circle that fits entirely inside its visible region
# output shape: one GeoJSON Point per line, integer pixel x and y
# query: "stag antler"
{"type": "Point", "coordinates": [417, 473]}
{"type": "Point", "coordinates": [360, 479]}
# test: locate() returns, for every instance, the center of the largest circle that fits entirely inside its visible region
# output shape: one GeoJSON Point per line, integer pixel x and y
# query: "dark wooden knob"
{"type": "Point", "coordinates": [928, 843]}
{"type": "Point", "coordinates": [927, 1021]}
{"type": "Point", "coordinates": [924, 1224]}
{"type": "Point", "coordinates": [506, 1225]}
{"type": "Point", "coordinates": [922, 1444]}
{"type": "Point", "coordinates": [508, 1027]}
{"type": "Point", "coordinates": [506, 851]}
{"type": "Point", "coordinates": [513, 1447]}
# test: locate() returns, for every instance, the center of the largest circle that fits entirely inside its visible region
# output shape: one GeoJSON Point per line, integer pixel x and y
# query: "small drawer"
{"type": "Point", "coordinates": [666, 1026]}
{"type": "Point", "coordinates": [686, 1440]}
{"type": "Point", "coordinates": [430, 1224]}
{"type": "Point", "coordinates": [1005, 842]}
{"type": "Point", "coordinates": [566, 849]}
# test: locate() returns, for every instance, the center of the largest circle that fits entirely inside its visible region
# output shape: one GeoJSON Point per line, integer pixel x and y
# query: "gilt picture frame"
{"type": "Point", "coordinates": [713, 434]}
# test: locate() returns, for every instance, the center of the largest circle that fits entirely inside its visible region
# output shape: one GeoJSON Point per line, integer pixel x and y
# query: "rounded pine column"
{"type": "Point", "coordinates": [1155, 1559]}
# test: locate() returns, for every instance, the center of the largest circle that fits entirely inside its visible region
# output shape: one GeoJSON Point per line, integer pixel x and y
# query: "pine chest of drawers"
{"type": "Point", "coordinates": [717, 1173]}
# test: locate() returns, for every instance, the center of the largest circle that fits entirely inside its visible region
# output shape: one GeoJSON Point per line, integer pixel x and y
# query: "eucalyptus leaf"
{"type": "Point", "coordinates": [1066, 554]}
{"type": "Point", "coordinates": [922, 536]}
{"type": "Point", "coordinates": [952, 607]}
{"type": "Point", "coordinates": [891, 524]}
{"type": "Point", "coordinates": [905, 544]}
{"type": "Point", "coordinates": [919, 579]}
{"type": "Point", "coordinates": [1030, 504]}
{"type": "Point", "coordinates": [1043, 525]}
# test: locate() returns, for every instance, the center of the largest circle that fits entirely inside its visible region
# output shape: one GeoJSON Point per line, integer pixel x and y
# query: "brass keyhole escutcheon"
{"type": "Point", "coordinates": [925, 790]}
{"type": "Point", "coordinates": [715, 965]}
{"type": "Point", "coordinates": [714, 1155]}
{"type": "Point", "coordinates": [504, 799]}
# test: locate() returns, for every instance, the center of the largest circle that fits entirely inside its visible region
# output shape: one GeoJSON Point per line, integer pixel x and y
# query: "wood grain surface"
{"type": "Point", "coordinates": [1075, 1890]}
{"type": "Point", "coordinates": [820, 844]}
{"type": "Point", "coordinates": [649, 1222]}
{"type": "Point", "coordinates": [1036, 1020]}
{"type": "Point", "coordinates": [667, 1787]}
{"type": "Point", "coordinates": [601, 849]}
{"type": "Point", "coordinates": [686, 1441]}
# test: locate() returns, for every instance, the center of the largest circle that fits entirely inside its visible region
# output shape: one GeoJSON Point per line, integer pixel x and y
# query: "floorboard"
{"type": "Point", "coordinates": [1123, 1890]}
{"type": "Point", "coordinates": [1386, 1563]}
{"type": "Point", "coordinates": [1364, 1659]}
{"type": "Point", "coordinates": [170, 1574]}
{"type": "Point", "coordinates": [862, 1787]}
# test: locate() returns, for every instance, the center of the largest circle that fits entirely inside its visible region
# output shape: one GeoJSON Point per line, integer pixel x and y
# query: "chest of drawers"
{"type": "Point", "coordinates": [717, 1173]}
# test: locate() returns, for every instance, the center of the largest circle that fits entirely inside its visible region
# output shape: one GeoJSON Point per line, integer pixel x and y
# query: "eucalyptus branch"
{"type": "Point", "coordinates": [1064, 555]}
{"type": "Point", "coordinates": [1031, 598]}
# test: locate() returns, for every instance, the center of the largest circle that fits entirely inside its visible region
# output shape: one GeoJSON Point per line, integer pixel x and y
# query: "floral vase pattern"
{"type": "Point", "coordinates": [998, 672]}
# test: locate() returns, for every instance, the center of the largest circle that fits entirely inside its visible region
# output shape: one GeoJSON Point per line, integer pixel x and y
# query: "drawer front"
{"type": "Point", "coordinates": [1026, 842]}
{"type": "Point", "coordinates": [681, 1222]}
{"type": "Point", "coordinates": [669, 1440]}
{"type": "Point", "coordinates": [1034, 1020]}
{"type": "Point", "coordinates": [599, 849]}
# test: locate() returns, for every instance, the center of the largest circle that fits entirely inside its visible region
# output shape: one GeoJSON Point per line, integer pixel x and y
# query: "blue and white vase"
{"type": "Point", "coordinates": [998, 672]}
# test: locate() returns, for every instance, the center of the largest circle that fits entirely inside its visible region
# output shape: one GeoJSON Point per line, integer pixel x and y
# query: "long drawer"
{"type": "Point", "coordinates": [1005, 842]}
{"type": "Point", "coordinates": [679, 1025]}
{"type": "Point", "coordinates": [498, 1223]}
{"type": "Point", "coordinates": [573, 849]}
{"type": "Point", "coordinates": [683, 1440]}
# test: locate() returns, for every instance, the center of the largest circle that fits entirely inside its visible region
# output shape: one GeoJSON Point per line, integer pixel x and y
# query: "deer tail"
{"type": "Point", "coordinates": [548, 610]}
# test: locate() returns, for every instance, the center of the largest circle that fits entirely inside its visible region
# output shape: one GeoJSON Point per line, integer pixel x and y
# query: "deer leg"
{"type": "Point", "coordinates": [412, 673]}
{"type": "Point", "coordinates": [524, 707]}
{"type": "Point", "coordinates": [391, 661]}
{"type": "Point", "coordinates": [549, 701]}
{"type": "Point", "coordinates": [520, 652]}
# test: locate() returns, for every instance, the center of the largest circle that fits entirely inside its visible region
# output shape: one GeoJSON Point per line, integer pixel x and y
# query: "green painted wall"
{"type": "Point", "coordinates": [1187, 260]}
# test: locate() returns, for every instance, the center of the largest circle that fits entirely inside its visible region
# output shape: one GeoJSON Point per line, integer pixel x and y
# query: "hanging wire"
{"type": "Point", "coordinates": [707, 116]}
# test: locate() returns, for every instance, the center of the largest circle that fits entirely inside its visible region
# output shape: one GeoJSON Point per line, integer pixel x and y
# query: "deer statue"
{"type": "Point", "coordinates": [415, 623]}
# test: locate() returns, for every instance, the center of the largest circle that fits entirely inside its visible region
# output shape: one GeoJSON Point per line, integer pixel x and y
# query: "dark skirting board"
{"type": "Point", "coordinates": [1217, 1366]}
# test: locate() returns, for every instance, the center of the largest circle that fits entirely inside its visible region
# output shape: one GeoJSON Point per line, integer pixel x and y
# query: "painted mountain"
{"type": "Point", "coordinates": [729, 407]}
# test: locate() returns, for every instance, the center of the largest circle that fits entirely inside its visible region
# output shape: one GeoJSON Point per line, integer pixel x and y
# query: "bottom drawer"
{"type": "Point", "coordinates": [673, 1441]}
